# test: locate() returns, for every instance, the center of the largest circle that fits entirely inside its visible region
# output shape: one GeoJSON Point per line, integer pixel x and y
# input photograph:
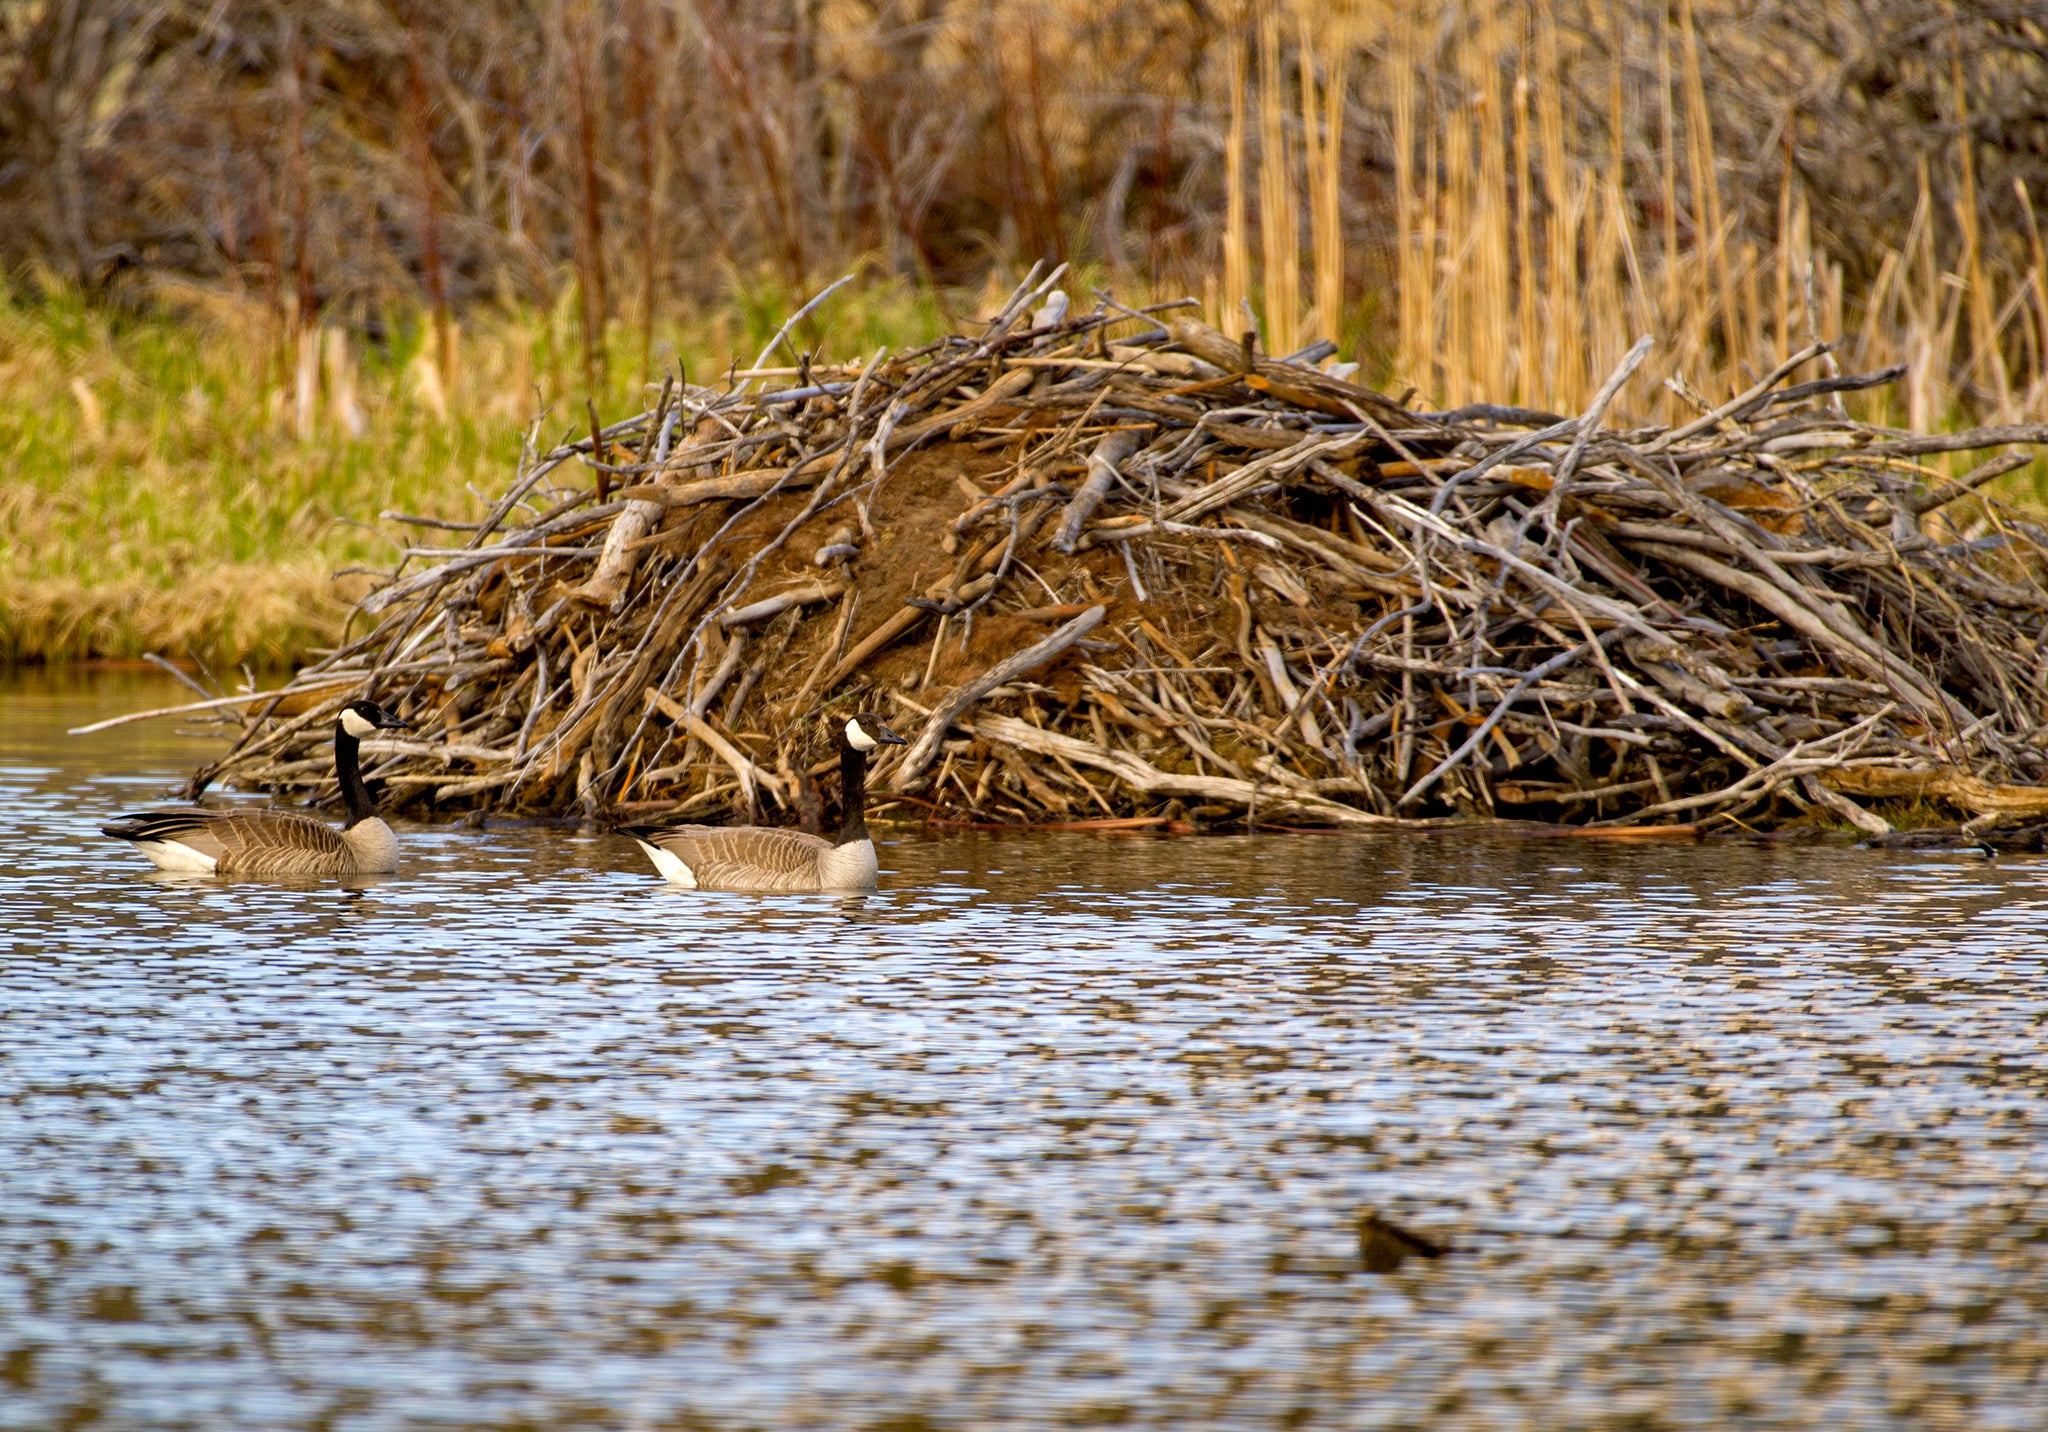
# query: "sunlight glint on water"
{"type": "Point", "coordinates": [1054, 1130]}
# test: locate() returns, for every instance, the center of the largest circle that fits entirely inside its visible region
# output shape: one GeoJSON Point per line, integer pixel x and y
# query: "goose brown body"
{"type": "Point", "coordinates": [759, 859]}
{"type": "Point", "coordinates": [766, 860]}
{"type": "Point", "coordinates": [259, 842]}
{"type": "Point", "coordinates": [275, 842]}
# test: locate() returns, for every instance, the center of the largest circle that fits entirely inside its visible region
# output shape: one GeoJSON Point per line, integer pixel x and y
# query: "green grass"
{"type": "Point", "coordinates": [158, 495]}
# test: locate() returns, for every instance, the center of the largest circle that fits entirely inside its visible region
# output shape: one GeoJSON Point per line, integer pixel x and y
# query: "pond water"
{"type": "Point", "coordinates": [1056, 1130]}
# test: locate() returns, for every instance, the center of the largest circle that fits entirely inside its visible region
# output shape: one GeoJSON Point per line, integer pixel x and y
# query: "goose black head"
{"type": "Point", "coordinates": [360, 718]}
{"type": "Point", "coordinates": [866, 731]}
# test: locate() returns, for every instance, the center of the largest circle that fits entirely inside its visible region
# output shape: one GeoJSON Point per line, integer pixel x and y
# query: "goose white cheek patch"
{"type": "Point", "coordinates": [355, 725]}
{"type": "Point", "coordinates": [857, 738]}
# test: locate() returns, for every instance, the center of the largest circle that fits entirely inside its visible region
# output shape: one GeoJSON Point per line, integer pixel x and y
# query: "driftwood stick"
{"type": "Point", "coordinates": [1109, 453]}
{"type": "Point", "coordinates": [739, 485]}
{"type": "Point", "coordinates": [781, 602]}
{"type": "Point", "coordinates": [1741, 403]}
{"type": "Point", "coordinates": [1849, 383]}
{"type": "Point", "coordinates": [1002, 390]}
{"type": "Point", "coordinates": [1969, 791]}
{"type": "Point", "coordinates": [799, 316]}
{"type": "Point", "coordinates": [1030, 659]}
{"type": "Point", "coordinates": [218, 703]}
{"type": "Point", "coordinates": [1866, 821]}
{"type": "Point", "coordinates": [1921, 503]}
{"type": "Point", "coordinates": [896, 626]}
{"type": "Point", "coordinates": [1134, 529]}
{"type": "Point", "coordinates": [1225, 353]}
{"type": "Point", "coordinates": [1969, 440]}
{"type": "Point", "coordinates": [1589, 422]}
{"type": "Point", "coordinates": [1501, 708]}
{"type": "Point", "coordinates": [1141, 775]}
{"type": "Point", "coordinates": [750, 775]}
{"type": "Point", "coordinates": [735, 650]}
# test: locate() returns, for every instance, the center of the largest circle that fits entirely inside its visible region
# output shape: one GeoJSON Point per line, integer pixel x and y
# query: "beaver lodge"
{"type": "Point", "coordinates": [1118, 568]}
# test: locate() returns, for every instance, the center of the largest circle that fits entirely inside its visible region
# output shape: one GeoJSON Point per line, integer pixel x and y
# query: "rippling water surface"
{"type": "Point", "coordinates": [1055, 1130]}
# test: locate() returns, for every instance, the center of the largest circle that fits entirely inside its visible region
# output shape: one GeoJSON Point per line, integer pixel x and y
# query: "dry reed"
{"type": "Point", "coordinates": [1597, 169]}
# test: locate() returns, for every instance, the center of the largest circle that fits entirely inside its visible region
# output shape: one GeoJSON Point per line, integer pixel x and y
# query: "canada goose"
{"type": "Point", "coordinates": [752, 857]}
{"type": "Point", "coordinates": [276, 842]}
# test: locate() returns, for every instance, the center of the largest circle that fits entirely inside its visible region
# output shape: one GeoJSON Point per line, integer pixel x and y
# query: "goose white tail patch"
{"type": "Point", "coordinates": [670, 865]}
{"type": "Point", "coordinates": [857, 738]}
{"type": "Point", "coordinates": [170, 855]}
{"type": "Point", "coordinates": [355, 725]}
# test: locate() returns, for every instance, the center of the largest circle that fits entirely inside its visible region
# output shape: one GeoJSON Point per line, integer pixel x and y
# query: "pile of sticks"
{"type": "Point", "coordinates": [1117, 566]}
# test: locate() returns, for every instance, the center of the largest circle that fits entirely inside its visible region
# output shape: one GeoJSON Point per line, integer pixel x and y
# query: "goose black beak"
{"type": "Point", "coordinates": [889, 738]}
{"type": "Point", "coordinates": [390, 721]}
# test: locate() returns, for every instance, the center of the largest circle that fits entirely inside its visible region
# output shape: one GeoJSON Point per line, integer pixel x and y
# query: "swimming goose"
{"type": "Point", "coordinates": [758, 858]}
{"type": "Point", "coordinates": [276, 842]}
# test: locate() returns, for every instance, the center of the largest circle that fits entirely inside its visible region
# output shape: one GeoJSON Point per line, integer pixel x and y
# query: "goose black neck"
{"type": "Point", "coordinates": [853, 790]}
{"type": "Point", "coordinates": [348, 770]}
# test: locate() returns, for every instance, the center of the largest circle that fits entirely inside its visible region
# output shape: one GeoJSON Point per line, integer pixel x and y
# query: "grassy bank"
{"type": "Point", "coordinates": [164, 492]}
{"type": "Point", "coordinates": [189, 479]}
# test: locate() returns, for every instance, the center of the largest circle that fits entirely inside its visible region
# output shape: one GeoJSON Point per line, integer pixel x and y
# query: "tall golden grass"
{"type": "Point", "coordinates": [404, 233]}
{"type": "Point", "coordinates": [1531, 250]}
{"type": "Point", "coordinates": [1589, 164]}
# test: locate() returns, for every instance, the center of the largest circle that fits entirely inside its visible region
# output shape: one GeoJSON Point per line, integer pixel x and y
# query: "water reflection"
{"type": "Point", "coordinates": [1051, 1130]}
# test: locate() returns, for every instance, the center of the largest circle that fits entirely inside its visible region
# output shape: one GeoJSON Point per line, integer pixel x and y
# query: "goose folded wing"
{"type": "Point", "coordinates": [744, 857]}
{"type": "Point", "coordinates": [190, 826]}
{"type": "Point", "coordinates": [242, 840]}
